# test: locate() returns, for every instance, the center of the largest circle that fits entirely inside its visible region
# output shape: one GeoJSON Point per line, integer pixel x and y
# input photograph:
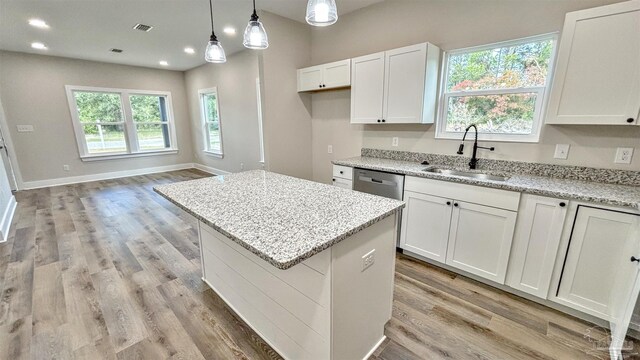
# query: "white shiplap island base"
{"type": "Point", "coordinates": [288, 255]}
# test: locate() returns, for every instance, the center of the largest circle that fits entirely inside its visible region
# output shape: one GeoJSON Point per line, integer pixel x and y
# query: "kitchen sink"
{"type": "Point", "coordinates": [467, 174]}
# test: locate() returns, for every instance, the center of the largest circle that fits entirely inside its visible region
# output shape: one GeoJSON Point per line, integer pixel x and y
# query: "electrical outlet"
{"type": "Point", "coordinates": [368, 259]}
{"type": "Point", "coordinates": [241, 166]}
{"type": "Point", "coordinates": [65, 167]}
{"type": "Point", "coordinates": [330, 149]}
{"type": "Point", "coordinates": [562, 151]}
{"type": "Point", "coordinates": [394, 141]}
{"type": "Point", "coordinates": [25, 128]}
{"type": "Point", "coordinates": [623, 156]}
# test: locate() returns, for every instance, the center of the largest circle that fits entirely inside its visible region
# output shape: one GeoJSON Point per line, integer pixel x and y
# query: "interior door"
{"type": "Point", "coordinates": [404, 84]}
{"type": "Point", "coordinates": [367, 88]}
{"type": "Point", "coordinates": [480, 240]}
{"type": "Point", "coordinates": [425, 225]}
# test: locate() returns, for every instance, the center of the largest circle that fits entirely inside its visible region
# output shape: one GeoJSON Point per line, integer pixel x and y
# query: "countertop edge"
{"type": "Point", "coordinates": [493, 184]}
{"type": "Point", "coordinates": [270, 260]}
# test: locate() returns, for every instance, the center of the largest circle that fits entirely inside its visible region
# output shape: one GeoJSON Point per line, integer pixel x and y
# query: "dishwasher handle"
{"type": "Point", "coordinates": [377, 181]}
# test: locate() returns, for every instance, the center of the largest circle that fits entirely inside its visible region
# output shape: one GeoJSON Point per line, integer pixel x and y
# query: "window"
{"type": "Point", "coordinates": [211, 121]}
{"type": "Point", "coordinates": [500, 87]}
{"type": "Point", "coordinates": [111, 123]}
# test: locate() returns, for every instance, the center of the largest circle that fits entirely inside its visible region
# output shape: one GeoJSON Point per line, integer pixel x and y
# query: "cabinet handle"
{"type": "Point", "coordinates": [563, 204]}
{"type": "Point", "coordinates": [448, 202]}
{"type": "Point", "coordinates": [633, 258]}
{"type": "Point", "coordinates": [455, 204]}
{"type": "Point", "coordinates": [630, 120]}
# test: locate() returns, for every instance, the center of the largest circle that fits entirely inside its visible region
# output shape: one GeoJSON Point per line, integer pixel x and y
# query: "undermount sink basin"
{"type": "Point", "coordinates": [468, 174]}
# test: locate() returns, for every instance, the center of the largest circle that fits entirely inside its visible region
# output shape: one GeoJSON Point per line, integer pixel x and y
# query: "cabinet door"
{"type": "Point", "coordinates": [310, 78]}
{"type": "Point", "coordinates": [425, 225]}
{"type": "Point", "coordinates": [597, 77]}
{"type": "Point", "coordinates": [343, 183]}
{"type": "Point", "coordinates": [336, 74]}
{"type": "Point", "coordinates": [535, 244]}
{"type": "Point", "coordinates": [367, 88]}
{"type": "Point", "coordinates": [404, 84]}
{"type": "Point", "coordinates": [598, 255]}
{"type": "Point", "coordinates": [480, 239]}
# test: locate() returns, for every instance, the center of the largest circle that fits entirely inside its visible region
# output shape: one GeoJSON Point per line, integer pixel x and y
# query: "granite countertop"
{"type": "Point", "coordinates": [609, 194]}
{"type": "Point", "coordinates": [282, 219]}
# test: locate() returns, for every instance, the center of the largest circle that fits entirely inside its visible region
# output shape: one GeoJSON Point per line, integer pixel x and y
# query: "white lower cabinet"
{"type": "Point", "coordinates": [535, 244]}
{"type": "Point", "coordinates": [425, 224]}
{"type": "Point", "coordinates": [343, 177]}
{"type": "Point", "coordinates": [343, 183]}
{"type": "Point", "coordinates": [480, 240]}
{"type": "Point", "coordinates": [597, 260]}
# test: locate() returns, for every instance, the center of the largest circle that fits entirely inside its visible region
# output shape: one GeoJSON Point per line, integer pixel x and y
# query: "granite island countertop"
{"type": "Point", "coordinates": [608, 194]}
{"type": "Point", "coordinates": [282, 219]}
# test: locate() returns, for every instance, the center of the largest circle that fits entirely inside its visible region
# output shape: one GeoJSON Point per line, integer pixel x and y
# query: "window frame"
{"type": "Point", "coordinates": [130, 131]}
{"type": "Point", "coordinates": [204, 123]}
{"type": "Point", "coordinates": [542, 92]}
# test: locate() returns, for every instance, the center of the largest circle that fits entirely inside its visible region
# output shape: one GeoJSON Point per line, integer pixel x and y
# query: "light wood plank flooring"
{"type": "Point", "coordinates": [110, 270]}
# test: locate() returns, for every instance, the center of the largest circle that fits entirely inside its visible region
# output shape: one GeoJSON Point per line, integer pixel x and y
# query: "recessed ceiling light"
{"type": "Point", "coordinates": [39, 46]}
{"type": "Point", "coordinates": [189, 50]}
{"type": "Point", "coordinates": [38, 23]}
{"type": "Point", "coordinates": [163, 63]}
{"type": "Point", "coordinates": [229, 30]}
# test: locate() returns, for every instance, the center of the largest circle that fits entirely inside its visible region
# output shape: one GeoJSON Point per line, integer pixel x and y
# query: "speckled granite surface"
{"type": "Point", "coordinates": [283, 220]}
{"type": "Point", "coordinates": [609, 194]}
{"type": "Point", "coordinates": [583, 173]}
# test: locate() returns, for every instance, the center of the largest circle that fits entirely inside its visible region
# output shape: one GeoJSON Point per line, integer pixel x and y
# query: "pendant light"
{"type": "Point", "coordinates": [255, 37]}
{"type": "Point", "coordinates": [322, 12]}
{"type": "Point", "coordinates": [214, 52]}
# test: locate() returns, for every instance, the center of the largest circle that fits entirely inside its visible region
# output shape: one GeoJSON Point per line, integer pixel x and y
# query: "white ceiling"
{"type": "Point", "coordinates": [87, 29]}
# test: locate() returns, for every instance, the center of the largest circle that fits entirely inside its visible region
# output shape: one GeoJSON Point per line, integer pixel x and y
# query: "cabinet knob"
{"type": "Point", "coordinates": [448, 202]}
{"type": "Point", "coordinates": [333, 179]}
{"type": "Point", "coordinates": [383, 120]}
{"type": "Point", "coordinates": [563, 204]}
{"type": "Point", "coordinates": [633, 258]}
{"type": "Point", "coordinates": [630, 120]}
{"type": "Point", "coordinates": [341, 172]}
{"type": "Point", "coordinates": [320, 85]}
{"type": "Point", "coordinates": [455, 204]}
{"type": "Point", "coordinates": [379, 120]}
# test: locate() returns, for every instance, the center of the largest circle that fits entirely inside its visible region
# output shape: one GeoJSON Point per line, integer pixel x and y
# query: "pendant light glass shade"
{"type": "Point", "coordinates": [255, 36]}
{"type": "Point", "coordinates": [322, 12]}
{"type": "Point", "coordinates": [215, 52]}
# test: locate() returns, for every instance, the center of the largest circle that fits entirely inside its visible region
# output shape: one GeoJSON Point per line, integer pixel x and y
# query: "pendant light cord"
{"type": "Point", "coordinates": [211, 12]}
{"type": "Point", "coordinates": [254, 16]}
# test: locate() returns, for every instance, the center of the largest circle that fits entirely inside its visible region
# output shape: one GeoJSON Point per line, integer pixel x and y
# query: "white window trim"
{"type": "Point", "coordinates": [205, 128]}
{"type": "Point", "coordinates": [541, 91]}
{"type": "Point", "coordinates": [131, 139]}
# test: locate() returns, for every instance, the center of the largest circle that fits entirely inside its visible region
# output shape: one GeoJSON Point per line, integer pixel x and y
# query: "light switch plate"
{"type": "Point", "coordinates": [25, 128]}
{"type": "Point", "coordinates": [623, 156]}
{"type": "Point", "coordinates": [394, 141]}
{"type": "Point", "coordinates": [562, 151]}
{"type": "Point", "coordinates": [330, 149]}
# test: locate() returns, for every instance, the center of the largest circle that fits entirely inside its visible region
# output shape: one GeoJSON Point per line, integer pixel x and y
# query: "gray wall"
{"type": "Point", "coordinates": [449, 25]}
{"type": "Point", "coordinates": [236, 84]}
{"type": "Point", "coordinates": [32, 88]}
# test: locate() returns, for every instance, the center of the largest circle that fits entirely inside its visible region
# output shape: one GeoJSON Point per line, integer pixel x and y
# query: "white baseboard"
{"type": "Point", "coordinates": [26, 185]}
{"type": "Point", "coordinates": [7, 218]}
{"type": "Point", "coordinates": [210, 169]}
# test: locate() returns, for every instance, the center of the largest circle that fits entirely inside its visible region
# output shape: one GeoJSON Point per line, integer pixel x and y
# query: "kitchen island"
{"type": "Point", "coordinates": [308, 266]}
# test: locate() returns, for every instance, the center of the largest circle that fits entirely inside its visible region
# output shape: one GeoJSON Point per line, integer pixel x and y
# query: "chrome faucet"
{"type": "Point", "coordinates": [474, 160]}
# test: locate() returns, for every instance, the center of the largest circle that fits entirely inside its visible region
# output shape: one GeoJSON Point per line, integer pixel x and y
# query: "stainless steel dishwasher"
{"type": "Point", "coordinates": [382, 184]}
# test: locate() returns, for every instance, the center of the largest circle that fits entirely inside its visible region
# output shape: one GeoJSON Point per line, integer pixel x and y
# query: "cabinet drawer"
{"type": "Point", "coordinates": [343, 183]}
{"type": "Point", "coordinates": [343, 172]}
{"type": "Point", "coordinates": [502, 199]}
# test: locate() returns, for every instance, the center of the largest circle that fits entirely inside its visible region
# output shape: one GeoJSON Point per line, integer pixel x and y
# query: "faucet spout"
{"type": "Point", "coordinates": [474, 158]}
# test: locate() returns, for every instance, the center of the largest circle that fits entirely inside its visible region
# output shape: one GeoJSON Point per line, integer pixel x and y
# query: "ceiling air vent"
{"type": "Point", "coordinates": [143, 27]}
{"type": "Point", "coordinates": [116, 50]}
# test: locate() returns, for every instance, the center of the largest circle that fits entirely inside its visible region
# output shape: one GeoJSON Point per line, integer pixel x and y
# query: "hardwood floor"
{"type": "Point", "coordinates": [110, 270]}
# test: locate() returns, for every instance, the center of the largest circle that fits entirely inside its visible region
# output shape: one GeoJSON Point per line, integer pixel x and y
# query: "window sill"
{"type": "Point", "coordinates": [491, 138]}
{"type": "Point", "coordinates": [125, 156]}
{"type": "Point", "coordinates": [214, 154]}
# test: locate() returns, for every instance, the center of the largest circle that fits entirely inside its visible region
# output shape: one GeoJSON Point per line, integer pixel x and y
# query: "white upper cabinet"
{"type": "Point", "coordinates": [367, 88]}
{"type": "Point", "coordinates": [324, 77]}
{"type": "Point", "coordinates": [535, 244]}
{"type": "Point", "coordinates": [396, 86]}
{"type": "Point", "coordinates": [597, 76]}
